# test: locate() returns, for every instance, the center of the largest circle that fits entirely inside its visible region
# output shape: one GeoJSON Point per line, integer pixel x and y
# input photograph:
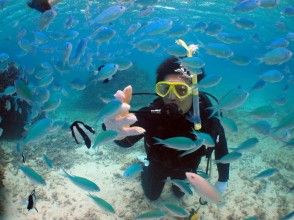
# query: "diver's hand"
{"type": "Point", "coordinates": [221, 186]}
{"type": "Point", "coordinates": [121, 122]}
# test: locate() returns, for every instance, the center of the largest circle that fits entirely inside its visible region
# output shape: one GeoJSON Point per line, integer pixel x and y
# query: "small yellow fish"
{"type": "Point", "coordinates": [195, 216]}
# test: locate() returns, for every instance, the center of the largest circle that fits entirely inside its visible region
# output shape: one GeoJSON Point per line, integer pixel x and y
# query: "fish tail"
{"type": "Point", "coordinates": [214, 109]}
{"type": "Point", "coordinates": [90, 195]}
{"type": "Point", "coordinates": [201, 44]}
{"type": "Point", "coordinates": [158, 140]}
{"type": "Point", "coordinates": [64, 173]}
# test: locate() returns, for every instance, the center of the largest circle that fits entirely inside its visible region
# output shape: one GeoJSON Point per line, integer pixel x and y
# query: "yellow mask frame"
{"type": "Point", "coordinates": [180, 89]}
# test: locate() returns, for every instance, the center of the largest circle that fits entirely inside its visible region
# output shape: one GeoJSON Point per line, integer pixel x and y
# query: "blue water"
{"type": "Point", "coordinates": [16, 18]}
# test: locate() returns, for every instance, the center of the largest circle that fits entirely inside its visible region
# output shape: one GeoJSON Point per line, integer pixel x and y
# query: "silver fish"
{"type": "Point", "coordinates": [210, 81]}
{"type": "Point", "coordinates": [246, 5]}
{"type": "Point", "coordinates": [244, 23]}
{"type": "Point", "coordinates": [272, 76]}
{"type": "Point", "coordinates": [80, 51]}
{"type": "Point", "coordinates": [219, 50]}
{"type": "Point", "coordinates": [147, 45]}
{"type": "Point", "coordinates": [110, 14]}
{"type": "Point", "coordinates": [46, 19]}
{"type": "Point", "coordinates": [103, 34]}
{"type": "Point", "coordinates": [268, 3]}
{"type": "Point", "coordinates": [158, 27]}
{"type": "Point", "coordinates": [233, 99]}
{"type": "Point", "coordinates": [276, 56]}
{"type": "Point", "coordinates": [66, 53]}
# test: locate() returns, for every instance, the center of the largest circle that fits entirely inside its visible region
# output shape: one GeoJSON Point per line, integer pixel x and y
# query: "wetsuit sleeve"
{"type": "Point", "coordinates": [221, 148]}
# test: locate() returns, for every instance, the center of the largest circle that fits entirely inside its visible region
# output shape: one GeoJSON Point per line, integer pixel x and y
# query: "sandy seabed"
{"type": "Point", "coordinates": [60, 199]}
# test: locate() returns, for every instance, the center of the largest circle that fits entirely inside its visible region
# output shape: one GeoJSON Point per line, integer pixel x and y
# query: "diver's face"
{"type": "Point", "coordinates": [183, 104]}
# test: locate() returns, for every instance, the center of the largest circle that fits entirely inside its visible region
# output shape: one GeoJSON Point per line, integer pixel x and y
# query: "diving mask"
{"type": "Point", "coordinates": [180, 89]}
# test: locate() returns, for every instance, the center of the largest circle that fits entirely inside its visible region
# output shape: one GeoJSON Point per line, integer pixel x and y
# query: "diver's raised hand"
{"type": "Point", "coordinates": [123, 119]}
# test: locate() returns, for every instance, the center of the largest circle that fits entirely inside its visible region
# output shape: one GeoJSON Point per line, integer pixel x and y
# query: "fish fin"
{"type": "Point", "coordinates": [23, 157]}
{"type": "Point", "coordinates": [89, 128]}
{"type": "Point", "coordinates": [106, 81]}
{"type": "Point", "coordinates": [214, 109]}
{"type": "Point", "coordinates": [74, 124]}
{"type": "Point", "coordinates": [100, 67]}
{"type": "Point", "coordinates": [88, 142]}
{"type": "Point", "coordinates": [188, 152]}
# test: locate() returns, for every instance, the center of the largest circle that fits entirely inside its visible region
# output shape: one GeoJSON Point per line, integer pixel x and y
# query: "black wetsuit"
{"type": "Point", "coordinates": [40, 5]}
{"type": "Point", "coordinates": [166, 162]}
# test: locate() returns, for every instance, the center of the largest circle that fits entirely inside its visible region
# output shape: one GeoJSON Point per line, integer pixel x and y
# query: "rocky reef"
{"type": "Point", "coordinates": [13, 111]}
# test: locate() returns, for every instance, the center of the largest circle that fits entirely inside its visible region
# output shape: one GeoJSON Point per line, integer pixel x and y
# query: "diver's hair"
{"type": "Point", "coordinates": [169, 66]}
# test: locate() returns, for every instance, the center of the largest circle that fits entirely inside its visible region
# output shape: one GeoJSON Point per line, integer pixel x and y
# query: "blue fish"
{"type": "Point", "coordinates": [266, 173]}
{"type": "Point", "coordinates": [102, 203]}
{"type": "Point", "coordinates": [133, 170]}
{"type": "Point", "coordinates": [47, 161]}
{"type": "Point", "coordinates": [109, 109]}
{"type": "Point", "coordinates": [82, 182]}
{"type": "Point", "coordinates": [289, 216]}
{"type": "Point", "coordinates": [262, 127]}
{"type": "Point", "coordinates": [246, 5]}
{"type": "Point", "coordinates": [37, 130]}
{"type": "Point", "coordinates": [80, 51]}
{"type": "Point", "coordinates": [258, 85]}
{"type": "Point", "coordinates": [32, 175]}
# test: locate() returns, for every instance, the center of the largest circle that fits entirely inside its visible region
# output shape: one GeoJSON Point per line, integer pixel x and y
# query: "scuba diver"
{"type": "Point", "coordinates": [42, 5]}
{"type": "Point", "coordinates": [172, 114]}
{"type": "Point", "coordinates": [178, 111]}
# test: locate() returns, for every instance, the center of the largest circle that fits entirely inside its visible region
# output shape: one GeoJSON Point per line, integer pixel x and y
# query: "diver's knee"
{"type": "Point", "coordinates": [151, 196]}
